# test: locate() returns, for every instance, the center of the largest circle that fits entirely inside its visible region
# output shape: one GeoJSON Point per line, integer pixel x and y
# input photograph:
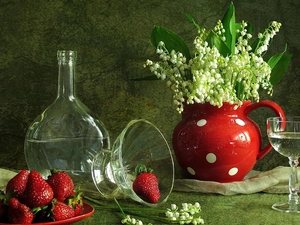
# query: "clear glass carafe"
{"type": "Point", "coordinates": [67, 135]}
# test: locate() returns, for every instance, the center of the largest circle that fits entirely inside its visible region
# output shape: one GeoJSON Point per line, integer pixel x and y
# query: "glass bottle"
{"type": "Point", "coordinates": [67, 135]}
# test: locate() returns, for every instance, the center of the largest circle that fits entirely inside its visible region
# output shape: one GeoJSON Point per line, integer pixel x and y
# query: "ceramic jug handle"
{"type": "Point", "coordinates": [277, 110]}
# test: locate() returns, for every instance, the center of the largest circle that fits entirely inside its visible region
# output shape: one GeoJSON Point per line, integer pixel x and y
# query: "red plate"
{"type": "Point", "coordinates": [88, 210]}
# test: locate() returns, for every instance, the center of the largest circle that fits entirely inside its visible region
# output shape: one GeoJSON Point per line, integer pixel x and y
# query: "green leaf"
{"type": "Point", "coordinates": [149, 78]}
{"type": "Point", "coordinates": [255, 44]}
{"type": "Point", "coordinates": [214, 40]}
{"type": "Point", "coordinates": [276, 58]}
{"type": "Point", "coordinates": [239, 88]}
{"type": "Point", "coordinates": [249, 29]}
{"type": "Point", "coordinates": [229, 25]}
{"type": "Point", "coordinates": [193, 21]}
{"type": "Point", "coordinates": [172, 41]}
{"type": "Point", "coordinates": [279, 66]}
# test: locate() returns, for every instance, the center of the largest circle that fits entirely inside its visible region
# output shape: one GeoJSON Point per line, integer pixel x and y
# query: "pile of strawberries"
{"type": "Point", "coordinates": [29, 198]}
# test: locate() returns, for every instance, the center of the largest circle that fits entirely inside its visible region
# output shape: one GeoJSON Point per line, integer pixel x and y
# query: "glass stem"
{"type": "Point", "coordinates": [293, 185]}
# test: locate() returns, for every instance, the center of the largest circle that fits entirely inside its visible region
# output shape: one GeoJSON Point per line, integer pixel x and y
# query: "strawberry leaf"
{"type": "Point", "coordinates": [141, 168]}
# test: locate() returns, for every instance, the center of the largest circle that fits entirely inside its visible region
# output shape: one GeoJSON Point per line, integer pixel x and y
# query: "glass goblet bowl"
{"type": "Point", "coordinates": [284, 136]}
{"type": "Point", "coordinates": [113, 170]}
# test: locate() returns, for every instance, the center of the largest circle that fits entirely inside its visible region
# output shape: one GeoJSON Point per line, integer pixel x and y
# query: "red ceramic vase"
{"type": "Point", "coordinates": [220, 144]}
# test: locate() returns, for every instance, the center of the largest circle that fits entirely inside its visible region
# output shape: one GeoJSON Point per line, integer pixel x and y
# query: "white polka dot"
{"type": "Point", "coordinates": [240, 122]}
{"type": "Point", "coordinates": [233, 171]}
{"type": "Point", "coordinates": [191, 170]}
{"type": "Point", "coordinates": [211, 157]}
{"type": "Point", "coordinates": [201, 123]}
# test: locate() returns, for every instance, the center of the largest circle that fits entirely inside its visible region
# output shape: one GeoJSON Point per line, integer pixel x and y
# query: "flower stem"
{"type": "Point", "coordinates": [159, 215]}
{"type": "Point", "coordinates": [101, 205]}
{"type": "Point", "coordinates": [119, 207]}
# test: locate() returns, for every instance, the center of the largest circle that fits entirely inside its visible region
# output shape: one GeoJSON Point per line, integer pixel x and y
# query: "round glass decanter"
{"type": "Point", "coordinates": [67, 135]}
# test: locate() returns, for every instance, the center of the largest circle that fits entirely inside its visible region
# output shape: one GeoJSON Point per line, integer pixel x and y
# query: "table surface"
{"type": "Point", "coordinates": [216, 209]}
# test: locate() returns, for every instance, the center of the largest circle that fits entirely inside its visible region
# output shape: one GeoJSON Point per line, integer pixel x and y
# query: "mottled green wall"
{"type": "Point", "coordinates": [112, 40]}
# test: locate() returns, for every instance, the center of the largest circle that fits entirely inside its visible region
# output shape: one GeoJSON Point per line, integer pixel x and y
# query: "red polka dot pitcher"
{"type": "Point", "coordinates": [220, 144]}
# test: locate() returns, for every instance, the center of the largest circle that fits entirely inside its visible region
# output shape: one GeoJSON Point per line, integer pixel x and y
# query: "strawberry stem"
{"type": "Point", "coordinates": [141, 168]}
{"type": "Point", "coordinates": [53, 171]}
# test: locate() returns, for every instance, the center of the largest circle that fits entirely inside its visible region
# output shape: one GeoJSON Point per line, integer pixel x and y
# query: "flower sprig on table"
{"type": "Point", "coordinates": [187, 214]}
{"type": "Point", "coordinates": [224, 65]}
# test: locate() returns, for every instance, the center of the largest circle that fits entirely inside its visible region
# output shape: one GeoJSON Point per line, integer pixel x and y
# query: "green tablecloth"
{"type": "Point", "coordinates": [216, 209]}
{"type": "Point", "coordinates": [252, 209]}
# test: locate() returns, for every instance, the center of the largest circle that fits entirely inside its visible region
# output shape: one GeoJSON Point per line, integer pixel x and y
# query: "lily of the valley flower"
{"type": "Point", "coordinates": [223, 67]}
{"type": "Point", "coordinates": [186, 214]}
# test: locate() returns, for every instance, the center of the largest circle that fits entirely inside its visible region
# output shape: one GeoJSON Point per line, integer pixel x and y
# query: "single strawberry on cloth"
{"type": "Point", "coordinates": [272, 181]}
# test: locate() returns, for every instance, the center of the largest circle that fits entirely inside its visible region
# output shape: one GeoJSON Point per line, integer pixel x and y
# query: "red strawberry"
{"type": "Point", "coordinates": [78, 209]}
{"type": "Point", "coordinates": [19, 213]}
{"type": "Point", "coordinates": [61, 211]}
{"type": "Point", "coordinates": [76, 202]}
{"type": "Point", "coordinates": [146, 184]}
{"type": "Point", "coordinates": [38, 192]}
{"type": "Point", "coordinates": [61, 184]}
{"type": "Point", "coordinates": [18, 183]}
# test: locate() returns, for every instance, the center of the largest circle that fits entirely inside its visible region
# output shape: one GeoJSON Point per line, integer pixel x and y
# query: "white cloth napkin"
{"type": "Point", "coordinates": [272, 181]}
{"type": "Point", "coordinates": [5, 176]}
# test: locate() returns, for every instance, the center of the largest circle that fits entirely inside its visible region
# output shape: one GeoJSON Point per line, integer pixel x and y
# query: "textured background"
{"type": "Point", "coordinates": [112, 40]}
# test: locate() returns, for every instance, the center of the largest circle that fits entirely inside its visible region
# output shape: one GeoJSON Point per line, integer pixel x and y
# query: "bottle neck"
{"type": "Point", "coordinates": [66, 74]}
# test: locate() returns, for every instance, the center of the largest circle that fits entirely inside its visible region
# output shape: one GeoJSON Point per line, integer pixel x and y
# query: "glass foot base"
{"type": "Point", "coordinates": [286, 207]}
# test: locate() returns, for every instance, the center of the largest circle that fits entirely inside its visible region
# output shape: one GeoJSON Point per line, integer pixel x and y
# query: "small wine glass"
{"type": "Point", "coordinates": [284, 136]}
{"type": "Point", "coordinates": [139, 143]}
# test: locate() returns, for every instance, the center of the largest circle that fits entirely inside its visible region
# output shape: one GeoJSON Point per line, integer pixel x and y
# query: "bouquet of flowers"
{"type": "Point", "coordinates": [224, 65]}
